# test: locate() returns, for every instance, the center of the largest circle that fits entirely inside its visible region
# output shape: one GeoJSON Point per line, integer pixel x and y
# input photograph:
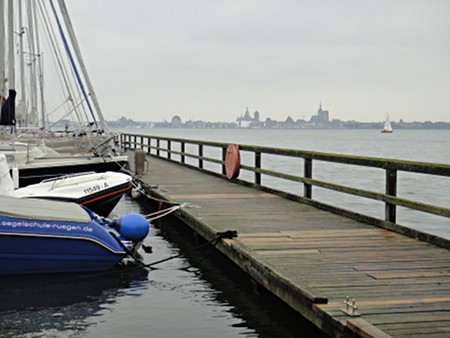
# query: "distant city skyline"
{"type": "Point", "coordinates": [320, 115]}
{"type": "Point", "coordinates": [320, 120]}
{"type": "Point", "coordinates": [206, 60]}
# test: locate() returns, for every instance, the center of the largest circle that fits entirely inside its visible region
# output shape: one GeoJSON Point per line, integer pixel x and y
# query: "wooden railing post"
{"type": "Point", "coordinates": [122, 140]}
{"type": "Point", "coordinates": [149, 144]}
{"type": "Point", "coordinates": [169, 148]}
{"type": "Point", "coordinates": [391, 190]}
{"type": "Point", "coordinates": [200, 154]}
{"type": "Point", "coordinates": [142, 142]}
{"type": "Point", "coordinates": [158, 144]}
{"type": "Point", "coordinates": [257, 166]}
{"type": "Point", "coordinates": [307, 188]}
{"type": "Point", "coordinates": [224, 159]}
{"type": "Point", "coordinates": [183, 150]}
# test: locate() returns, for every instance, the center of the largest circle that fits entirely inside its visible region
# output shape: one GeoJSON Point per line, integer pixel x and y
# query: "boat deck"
{"type": "Point", "coordinates": [44, 168]}
{"type": "Point", "coordinates": [313, 259]}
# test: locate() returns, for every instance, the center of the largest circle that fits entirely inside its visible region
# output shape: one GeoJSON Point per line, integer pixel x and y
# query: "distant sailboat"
{"type": "Point", "coordinates": [387, 126]}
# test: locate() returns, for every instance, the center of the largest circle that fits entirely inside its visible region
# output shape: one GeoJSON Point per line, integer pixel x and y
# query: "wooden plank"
{"type": "Point", "coordinates": [384, 302]}
{"type": "Point", "coordinates": [286, 252]}
{"type": "Point", "coordinates": [407, 318]}
{"type": "Point", "coordinates": [364, 329]}
{"type": "Point", "coordinates": [395, 284]}
{"type": "Point", "coordinates": [429, 332]}
{"type": "Point", "coordinates": [363, 232]}
{"type": "Point", "coordinates": [374, 292]}
{"type": "Point", "coordinates": [306, 255]}
{"type": "Point", "coordinates": [406, 274]}
{"type": "Point", "coordinates": [419, 329]}
{"type": "Point", "coordinates": [221, 196]}
{"type": "Point", "coordinates": [261, 235]}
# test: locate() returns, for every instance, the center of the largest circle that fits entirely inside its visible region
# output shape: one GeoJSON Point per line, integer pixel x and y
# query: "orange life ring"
{"type": "Point", "coordinates": [232, 161]}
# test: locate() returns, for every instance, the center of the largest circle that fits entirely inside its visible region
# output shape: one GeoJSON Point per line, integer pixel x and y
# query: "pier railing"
{"type": "Point", "coordinates": [210, 157]}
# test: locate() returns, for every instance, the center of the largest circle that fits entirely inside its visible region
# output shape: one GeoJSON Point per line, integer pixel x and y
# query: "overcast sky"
{"type": "Point", "coordinates": [209, 60]}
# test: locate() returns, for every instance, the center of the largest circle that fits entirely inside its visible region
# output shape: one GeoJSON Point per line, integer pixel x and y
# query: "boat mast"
{"type": "Point", "coordinates": [32, 64]}
{"type": "Point", "coordinates": [73, 40]}
{"type": "Point", "coordinates": [11, 75]}
{"type": "Point", "coordinates": [22, 65]}
{"type": "Point", "coordinates": [40, 66]}
{"type": "Point", "coordinates": [8, 107]}
{"type": "Point", "coordinates": [2, 49]}
{"type": "Point", "coordinates": [61, 67]}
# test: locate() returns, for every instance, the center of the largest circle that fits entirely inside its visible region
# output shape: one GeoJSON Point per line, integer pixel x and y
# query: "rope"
{"type": "Point", "coordinates": [138, 187]}
{"type": "Point", "coordinates": [161, 213]}
{"type": "Point", "coordinates": [229, 234]}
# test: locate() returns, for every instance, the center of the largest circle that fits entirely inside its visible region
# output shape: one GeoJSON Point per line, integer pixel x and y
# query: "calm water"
{"type": "Point", "coordinates": [420, 145]}
{"type": "Point", "coordinates": [201, 294]}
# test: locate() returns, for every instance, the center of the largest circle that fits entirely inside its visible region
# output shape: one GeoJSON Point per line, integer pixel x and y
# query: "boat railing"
{"type": "Point", "coordinates": [277, 170]}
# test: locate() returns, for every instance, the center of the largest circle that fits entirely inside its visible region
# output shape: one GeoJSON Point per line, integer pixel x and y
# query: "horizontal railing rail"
{"type": "Point", "coordinates": [169, 148]}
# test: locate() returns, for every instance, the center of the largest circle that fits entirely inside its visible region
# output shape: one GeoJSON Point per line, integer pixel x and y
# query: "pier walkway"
{"type": "Point", "coordinates": [315, 260]}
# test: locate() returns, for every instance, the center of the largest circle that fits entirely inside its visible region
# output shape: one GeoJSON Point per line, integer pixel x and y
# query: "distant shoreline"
{"type": "Point", "coordinates": [331, 126]}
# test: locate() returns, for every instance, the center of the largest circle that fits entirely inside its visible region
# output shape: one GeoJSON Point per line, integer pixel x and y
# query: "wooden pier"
{"type": "Point", "coordinates": [347, 277]}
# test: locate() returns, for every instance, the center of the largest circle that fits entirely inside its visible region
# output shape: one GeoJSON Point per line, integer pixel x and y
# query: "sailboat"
{"type": "Point", "coordinates": [387, 128]}
{"type": "Point", "coordinates": [33, 115]}
{"type": "Point", "coordinates": [38, 235]}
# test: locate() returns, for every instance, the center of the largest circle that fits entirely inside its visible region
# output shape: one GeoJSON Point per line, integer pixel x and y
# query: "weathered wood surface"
{"type": "Point", "coordinates": [313, 259]}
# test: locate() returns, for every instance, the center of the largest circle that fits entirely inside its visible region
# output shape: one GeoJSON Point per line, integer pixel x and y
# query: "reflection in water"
{"type": "Point", "coordinates": [200, 294]}
{"type": "Point", "coordinates": [257, 312]}
{"type": "Point", "coordinates": [61, 302]}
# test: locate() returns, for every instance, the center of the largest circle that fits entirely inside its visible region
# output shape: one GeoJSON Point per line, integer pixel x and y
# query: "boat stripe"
{"type": "Point", "coordinates": [106, 195]}
{"type": "Point", "coordinates": [65, 237]}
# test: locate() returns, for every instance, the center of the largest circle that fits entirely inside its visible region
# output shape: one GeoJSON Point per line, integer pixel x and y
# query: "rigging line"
{"type": "Point", "coordinates": [93, 144]}
{"type": "Point", "coordinates": [56, 55]}
{"type": "Point", "coordinates": [57, 108]}
{"type": "Point", "coordinates": [81, 113]}
{"type": "Point", "coordinates": [67, 114]}
{"type": "Point", "coordinates": [72, 61]}
{"type": "Point", "coordinates": [50, 37]}
{"type": "Point", "coordinates": [76, 48]}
